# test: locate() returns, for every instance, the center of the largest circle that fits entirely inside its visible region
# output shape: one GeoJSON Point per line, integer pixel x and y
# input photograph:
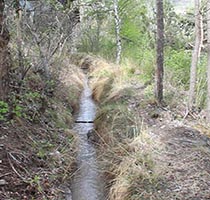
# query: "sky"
{"type": "Point", "coordinates": [182, 5]}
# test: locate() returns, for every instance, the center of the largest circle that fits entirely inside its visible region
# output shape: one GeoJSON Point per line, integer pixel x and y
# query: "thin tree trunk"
{"type": "Point", "coordinates": [160, 52]}
{"type": "Point", "coordinates": [117, 30]}
{"type": "Point", "coordinates": [4, 55]}
{"type": "Point", "coordinates": [98, 22]}
{"type": "Point", "coordinates": [208, 64]}
{"type": "Point", "coordinates": [195, 53]}
{"type": "Point", "coordinates": [19, 41]}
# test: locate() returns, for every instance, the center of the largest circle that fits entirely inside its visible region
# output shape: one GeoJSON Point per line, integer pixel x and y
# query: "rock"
{"type": "Point", "coordinates": [56, 155]}
{"type": "Point", "coordinates": [3, 182]}
{"type": "Point", "coordinates": [92, 136]}
{"type": "Point", "coordinates": [68, 194]}
{"type": "Point", "coordinates": [154, 114]}
{"type": "Point", "coordinates": [137, 72]}
{"type": "Point", "coordinates": [1, 146]}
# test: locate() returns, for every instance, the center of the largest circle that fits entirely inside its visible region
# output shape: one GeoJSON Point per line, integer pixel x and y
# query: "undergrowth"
{"type": "Point", "coordinates": [128, 153]}
{"type": "Point", "coordinates": [131, 155]}
{"type": "Point", "coordinates": [35, 128]}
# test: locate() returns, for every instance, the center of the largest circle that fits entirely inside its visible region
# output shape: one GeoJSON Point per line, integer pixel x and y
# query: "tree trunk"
{"type": "Point", "coordinates": [208, 64]}
{"type": "Point", "coordinates": [4, 55]}
{"type": "Point", "coordinates": [160, 52]}
{"type": "Point", "coordinates": [19, 41]}
{"type": "Point", "coordinates": [195, 53]}
{"type": "Point", "coordinates": [117, 30]}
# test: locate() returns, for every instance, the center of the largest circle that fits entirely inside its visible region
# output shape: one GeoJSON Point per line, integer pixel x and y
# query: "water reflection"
{"type": "Point", "coordinates": [87, 183]}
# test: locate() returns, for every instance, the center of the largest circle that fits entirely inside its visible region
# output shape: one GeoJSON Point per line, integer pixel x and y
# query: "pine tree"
{"type": "Point", "coordinates": [160, 52]}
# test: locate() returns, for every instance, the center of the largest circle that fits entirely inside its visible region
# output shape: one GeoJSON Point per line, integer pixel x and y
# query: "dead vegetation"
{"type": "Point", "coordinates": [146, 152]}
{"type": "Point", "coordinates": [35, 161]}
{"type": "Point", "coordinates": [37, 144]}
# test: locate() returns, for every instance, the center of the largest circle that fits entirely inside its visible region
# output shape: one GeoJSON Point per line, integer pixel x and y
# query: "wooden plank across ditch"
{"type": "Point", "coordinates": [80, 121]}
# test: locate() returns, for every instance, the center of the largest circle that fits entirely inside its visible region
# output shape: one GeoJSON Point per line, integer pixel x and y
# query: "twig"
{"type": "Point", "coordinates": [10, 154]}
{"type": "Point", "coordinates": [186, 114]}
{"type": "Point", "coordinates": [19, 163]}
{"type": "Point", "coordinates": [16, 172]}
{"type": "Point", "coordinates": [5, 174]}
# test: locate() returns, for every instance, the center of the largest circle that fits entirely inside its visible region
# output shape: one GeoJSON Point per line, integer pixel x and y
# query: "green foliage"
{"type": "Point", "coordinates": [177, 64]}
{"type": "Point", "coordinates": [174, 27]}
{"type": "Point", "coordinates": [177, 71]}
{"type": "Point", "coordinates": [18, 110]}
{"type": "Point", "coordinates": [130, 31]}
{"type": "Point", "coordinates": [99, 36]}
{"type": "Point", "coordinates": [149, 92]}
{"type": "Point", "coordinates": [201, 86]}
{"type": "Point", "coordinates": [147, 64]}
{"type": "Point", "coordinates": [44, 147]}
{"type": "Point", "coordinates": [28, 105]}
{"type": "Point", "coordinates": [36, 181]}
{"type": "Point", "coordinates": [32, 96]}
{"type": "Point", "coordinates": [59, 6]}
{"type": "Point", "coordinates": [107, 49]}
{"type": "Point", "coordinates": [4, 109]}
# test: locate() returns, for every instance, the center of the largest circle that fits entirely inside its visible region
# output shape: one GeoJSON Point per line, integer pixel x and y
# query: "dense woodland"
{"type": "Point", "coordinates": [148, 65]}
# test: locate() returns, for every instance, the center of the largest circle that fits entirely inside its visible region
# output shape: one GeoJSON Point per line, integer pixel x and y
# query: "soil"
{"type": "Point", "coordinates": [30, 161]}
{"type": "Point", "coordinates": [184, 156]}
{"type": "Point", "coordinates": [185, 159]}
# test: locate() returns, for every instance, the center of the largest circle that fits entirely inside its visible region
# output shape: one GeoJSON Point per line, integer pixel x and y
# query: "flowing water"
{"type": "Point", "coordinates": [87, 183]}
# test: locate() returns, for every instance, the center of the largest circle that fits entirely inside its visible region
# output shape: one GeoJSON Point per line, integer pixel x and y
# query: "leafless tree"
{"type": "Point", "coordinates": [196, 52]}
{"type": "Point", "coordinates": [48, 32]}
{"type": "Point", "coordinates": [117, 30]}
{"type": "Point", "coordinates": [208, 64]}
{"type": "Point", "coordinates": [4, 55]}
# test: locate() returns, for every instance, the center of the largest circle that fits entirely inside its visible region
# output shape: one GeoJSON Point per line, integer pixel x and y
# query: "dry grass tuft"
{"type": "Point", "coordinates": [121, 92]}
{"type": "Point", "coordinates": [101, 88]}
{"type": "Point", "coordinates": [102, 76]}
{"type": "Point", "coordinates": [96, 64]}
{"type": "Point", "coordinates": [70, 84]}
{"type": "Point", "coordinates": [137, 169]}
{"type": "Point", "coordinates": [142, 163]}
{"type": "Point", "coordinates": [204, 128]}
{"type": "Point", "coordinates": [109, 82]}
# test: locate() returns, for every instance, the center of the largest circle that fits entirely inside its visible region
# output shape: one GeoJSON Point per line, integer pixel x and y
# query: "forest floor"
{"type": "Point", "coordinates": [35, 161]}
{"type": "Point", "coordinates": [180, 159]}
{"type": "Point", "coordinates": [145, 151]}
{"type": "Point", "coordinates": [37, 148]}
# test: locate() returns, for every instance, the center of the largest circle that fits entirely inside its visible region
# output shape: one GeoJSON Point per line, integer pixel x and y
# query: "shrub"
{"type": "Point", "coordinates": [4, 109]}
{"type": "Point", "coordinates": [177, 65]}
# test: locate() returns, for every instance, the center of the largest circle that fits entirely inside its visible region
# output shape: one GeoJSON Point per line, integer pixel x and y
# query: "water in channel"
{"type": "Point", "coordinates": [87, 183]}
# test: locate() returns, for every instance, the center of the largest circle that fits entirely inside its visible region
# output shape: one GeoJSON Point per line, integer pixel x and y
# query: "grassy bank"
{"type": "Point", "coordinates": [139, 143]}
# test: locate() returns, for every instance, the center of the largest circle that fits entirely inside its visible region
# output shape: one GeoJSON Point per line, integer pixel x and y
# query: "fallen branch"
{"type": "Point", "coordinates": [3, 175]}
{"type": "Point", "coordinates": [16, 172]}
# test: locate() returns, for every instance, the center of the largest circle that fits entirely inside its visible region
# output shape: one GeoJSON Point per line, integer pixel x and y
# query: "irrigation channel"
{"type": "Point", "coordinates": [87, 182]}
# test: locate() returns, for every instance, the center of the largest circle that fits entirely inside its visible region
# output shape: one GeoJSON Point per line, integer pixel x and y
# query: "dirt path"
{"type": "Point", "coordinates": [186, 160]}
